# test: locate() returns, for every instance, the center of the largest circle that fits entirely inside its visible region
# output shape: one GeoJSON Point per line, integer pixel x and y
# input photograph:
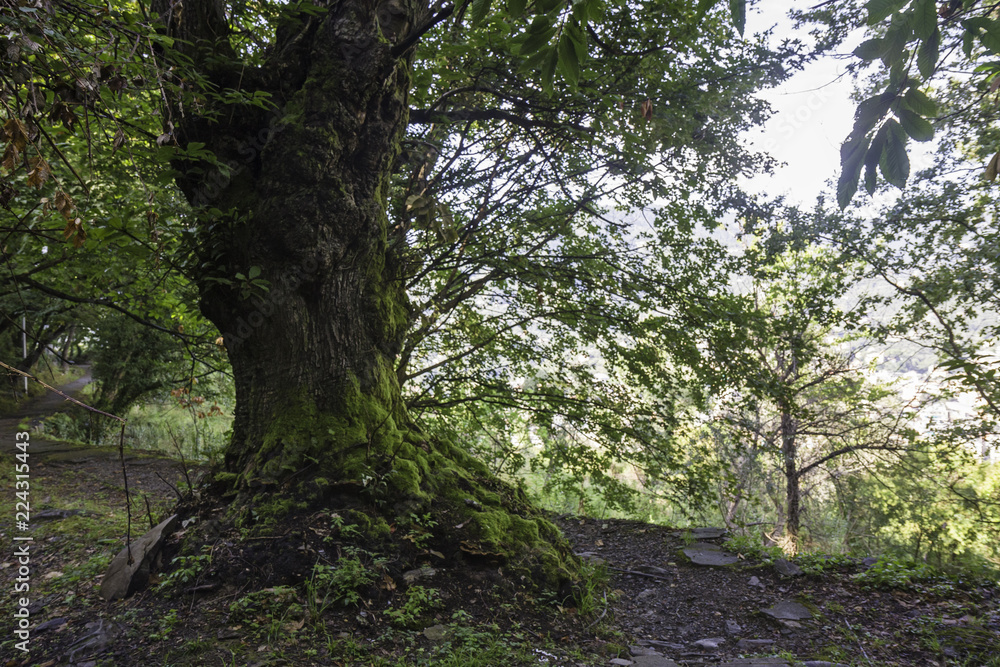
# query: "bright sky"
{"type": "Point", "coordinates": [813, 115]}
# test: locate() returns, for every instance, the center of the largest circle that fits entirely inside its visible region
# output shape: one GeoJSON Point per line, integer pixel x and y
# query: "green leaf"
{"type": "Point", "coordinates": [895, 164]}
{"type": "Point", "coordinates": [871, 111]}
{"type": "Point", "coordinates": [896, 38]}
{"type": "Point", "coordinates": [915, 125]}
{"type": "Point", "coordinates": [253, 272]}
{"type": "Point", "coordinates": [870, 49]}
{"type": "Point", "coordinates": [872, 158]}
{"type": "Point", "coordinates": [480, 8]}
{"type": "Point", "coordinates": [968, 41]}
{"type": "Point", "coordinates": [549, 69]}
{"type": "Point", "coordinates": [918, 102]}
{"type": "Point", "coordinates": [539, 34]}
{"type": "Point", "coordinates": [569, 62]}
{"type": "Point", "coordinates": [852, 155]}
{"type": "Point", "coordinates": [515, 8]}
{"type": "Point", "coordinates": [703, 7]}
{"type": "Point", "coordinates": [578, 40]}
{"type": "Point", "coordinates": [924, 18]}
{"type": "Point", "coordinates": [738, 8]}
{"type": "Point", "coordinates": [878, 10]}
{"type": "Point", "coordinates": [927, 54]}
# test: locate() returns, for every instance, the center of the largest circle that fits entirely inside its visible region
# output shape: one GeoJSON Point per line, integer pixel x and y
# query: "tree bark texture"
{"type": "Point", "coordinates": [297, 271]}
{"type": "Point", "coordinates": [789, 454]}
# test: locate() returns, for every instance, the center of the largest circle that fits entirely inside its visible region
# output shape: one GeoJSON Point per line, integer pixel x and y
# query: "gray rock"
{"type": "Point", "coordinates": [123, 578]}
{"type": "Point", "coordinates": [732, 627]}
{"type": "Point", "coordinates": [98, 636]}
{"type": "Point", "coordinates": [648, 593]}
{"type": "Point", "coordinates": [436, 633]}
{"type": "Point", "coordinates": [621, 662]}
{"type": "Point", "coordinates": [425, 572]}
{"type": "Point", "coordinates": [753, 644]}
{"type": "Point", "coordinates": [652, 569]}
{"type": "Point", "coordinates": [756, 662]}
{"type": "Point", "coordinates": [642, 650]}
{"type": "Point", "coordinates": [787, 568]}
{"type": "Point", "coordinates": [788, 611]}
{"type": "Point", "coordinates": [754, 581]}
{"type": "Point", "coordinates": [823, 663]}
{"type": "Point", "coordinates": [653, 661]}
{"type": "Point", "coordinates": [710, 643]}
{"type": "Point", "coordinates": [56, 515]}
{"type": "Point", "coordinates": [661, 644]}
{"type": "Point", "coordinates": [702, 553]}
{"type": "Point", "coordinates": [703, 533]}
{"type": "Point", "coordinates": [867, 563]}
{"type": "Point", "coordinates": [55, 623]}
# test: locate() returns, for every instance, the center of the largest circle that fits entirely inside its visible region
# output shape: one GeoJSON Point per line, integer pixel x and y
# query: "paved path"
{"type": "Point", "coordinates": [48, 404]}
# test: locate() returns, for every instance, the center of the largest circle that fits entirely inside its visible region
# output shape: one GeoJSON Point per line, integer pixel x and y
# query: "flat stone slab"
{"type": "Point", "coordinates": [123, 578]}
{"type": "Point", "coordinates": [788, 611]}
{"type": "Point", "coordinates": [787, 568]}
{"type": "Point", "coordinates": [703, 553]}
{"type": "Point", "coordinates": [703, 533]}
{"type": "Point", "coordinates": [756, 662]}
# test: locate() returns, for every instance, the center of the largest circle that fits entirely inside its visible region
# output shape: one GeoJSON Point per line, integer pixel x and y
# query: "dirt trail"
{"type": "Point", "coordinates": [42, 406]}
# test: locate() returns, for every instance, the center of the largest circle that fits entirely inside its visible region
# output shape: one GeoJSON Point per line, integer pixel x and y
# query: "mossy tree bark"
{"type": "Point", "coordinates": [298, 199]}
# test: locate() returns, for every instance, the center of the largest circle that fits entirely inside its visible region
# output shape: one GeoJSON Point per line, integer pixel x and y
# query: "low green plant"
{"type": "Point", "coordinates": [342, 582]}
{"type": "Point", "coordinates": [264, 603]}
{"type": "Point", "coordinates": [816, 563]}
{"type": "Point", "coordinates": [895, 572]}
{"type": "Point", "coordinates": [591, 595]}
{"type": "Point", "coordinates": [168, 622]}
{"type": "Point", "coordinates": [752, 548]}
{"type": "Point", "coordinates": [419, 601]}
{"type": "Point", "coordinates": [186, 570]}
{"type": "Point", "coordinates": [419, 529]}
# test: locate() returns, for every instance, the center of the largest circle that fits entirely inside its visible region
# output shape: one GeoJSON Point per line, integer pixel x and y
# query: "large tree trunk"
{"type": "Point", "coordinates": [303, 207]}
{"type": "Point", "coordinates": [789, 454]}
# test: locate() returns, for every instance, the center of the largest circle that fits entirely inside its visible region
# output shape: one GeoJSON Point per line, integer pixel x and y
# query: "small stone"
{"type": "Point", "coordinates": [787, 568]}
{"type": "Point", "coordinates": [652, 569]}
{"type": "Point", "coordinates": [788, 611]}
{"type": "Point", "coordinates": [710, 643]}
{"type": "Point", "coordinates": [823, 663]}
{"type": "Point", "coordinates": [754, 581]}
{"type": "Point", "coordinates": [648, 593]}
{"type": "Point", "coordinates": [411, 576]}
{"type": "Point", "coordinates": [621, 661]}
{"type": "Point", "coordinates": [436, 633]}
{"type": "Point", "coordinates": [54, 624]}
{"type": "Point", "coordinates": [867, 563]}
{"type": "Point", "coordinates": [745, 644]}
{"type": "Point", "coordinates": [733, 628]}
{"type": "Point", "coordinates": [642, 650]}
{"type": "Point", "coordinates": [227, 633]}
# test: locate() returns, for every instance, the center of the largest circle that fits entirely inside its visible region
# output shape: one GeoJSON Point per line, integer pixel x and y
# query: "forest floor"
{"type": "Point", "coordinates": [645, 601]}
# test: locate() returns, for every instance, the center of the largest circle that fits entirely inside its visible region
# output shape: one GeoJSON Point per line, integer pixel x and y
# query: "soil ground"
{"type": "Point", "coordinates": [319, 593]}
